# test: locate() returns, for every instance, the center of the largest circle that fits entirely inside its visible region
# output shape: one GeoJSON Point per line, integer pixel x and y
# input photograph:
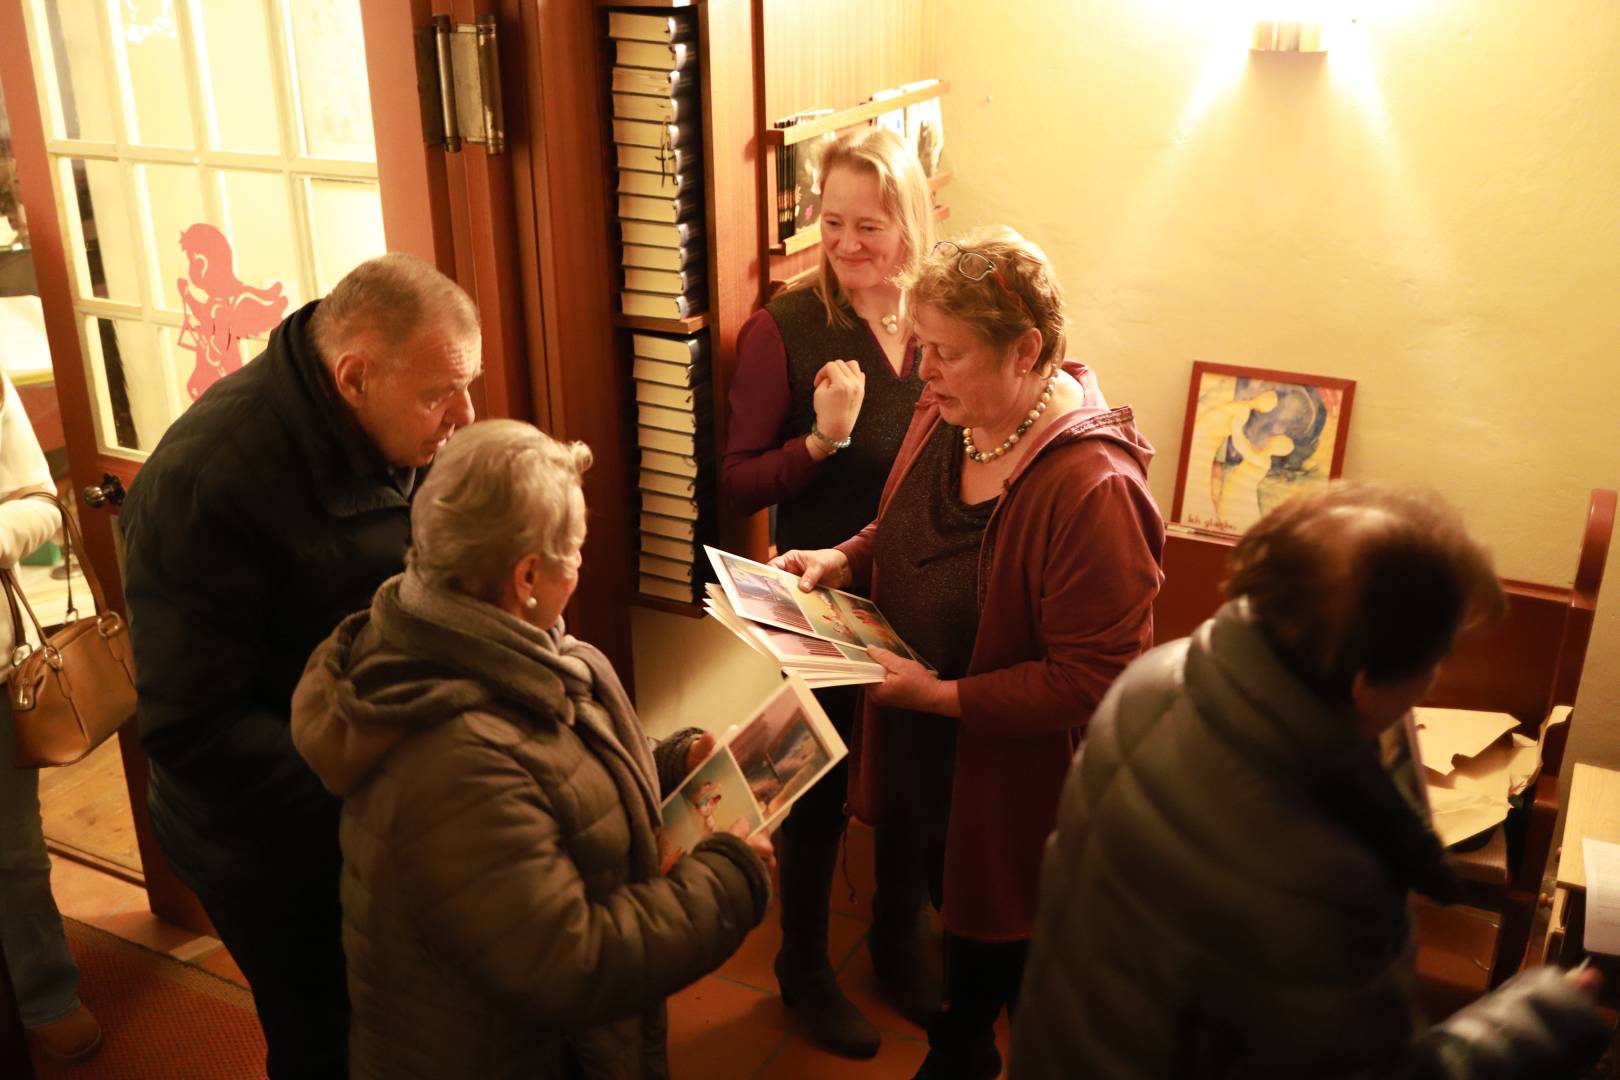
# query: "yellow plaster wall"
{"type": "Point", "coordinates": [1432, 209]}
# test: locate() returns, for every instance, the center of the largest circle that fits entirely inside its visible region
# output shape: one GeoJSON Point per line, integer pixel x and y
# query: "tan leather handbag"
{"type": "Point", "coordinates": [78, 687]}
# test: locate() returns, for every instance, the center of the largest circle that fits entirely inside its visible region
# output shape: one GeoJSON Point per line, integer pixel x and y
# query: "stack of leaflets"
{"type": "Point", "coordinates": [754, 775]}
{"type": "Point", "coordinates": [820, 636]}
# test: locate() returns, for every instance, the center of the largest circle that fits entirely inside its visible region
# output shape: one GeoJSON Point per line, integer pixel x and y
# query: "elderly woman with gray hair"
{"type": "Point", "coordinates": [504, 914]}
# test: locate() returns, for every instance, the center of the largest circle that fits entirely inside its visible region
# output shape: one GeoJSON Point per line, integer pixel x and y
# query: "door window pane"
{"type": "Point", "coordinates": [132, 386]}
{"type": "Point", "coordinates": [334, 100]}
{"type": "Point", "coordinates": [234, 50]}
{"type": "Point", "coordinates": [107, 257]}
{"type": "Point", "coordinates": [80, 107]}
{"type": "Point", "coordinates": [264, 242]}
{"type": "Point", "coordinates": [346, 228]}
{"type": "Point", "coordinates": [174, 201]}
{"type": "Point", "coordinates": [144, 31]}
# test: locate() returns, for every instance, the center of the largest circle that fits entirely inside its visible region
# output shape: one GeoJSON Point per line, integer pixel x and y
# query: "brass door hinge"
{"type": "Point", "coordinates": [458, 73]}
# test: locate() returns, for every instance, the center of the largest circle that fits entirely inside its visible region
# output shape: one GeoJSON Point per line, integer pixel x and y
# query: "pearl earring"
{"type": "Point", "coordinates": [531, 603]}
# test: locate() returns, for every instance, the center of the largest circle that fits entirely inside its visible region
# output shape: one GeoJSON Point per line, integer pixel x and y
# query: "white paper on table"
{"type": "Point", "coordinates": [1446, 734]}
{"type": "Point", "coordinates": [1460, 814]}
{"type": "Point", "coordinates": [1602, 896]}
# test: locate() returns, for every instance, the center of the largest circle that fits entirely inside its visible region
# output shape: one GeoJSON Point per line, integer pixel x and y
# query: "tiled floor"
{"type": "Point", "coordinates": [728, 1026]}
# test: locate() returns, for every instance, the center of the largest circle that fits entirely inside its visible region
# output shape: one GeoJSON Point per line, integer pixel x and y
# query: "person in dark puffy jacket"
{"type": "Point", "coordinates": [1226, 893]}
{"type": "Point", "coordinates": [504, 911]}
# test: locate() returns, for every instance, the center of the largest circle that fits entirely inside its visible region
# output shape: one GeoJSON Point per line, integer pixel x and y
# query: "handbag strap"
{"type": "Point", "coordinates": [14, 593]}
{"type": "Point", "coordinates": [72, 542]}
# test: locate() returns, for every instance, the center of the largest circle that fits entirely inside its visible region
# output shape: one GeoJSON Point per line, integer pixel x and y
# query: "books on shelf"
{"type": "Point", "coordinates": [658, 371]}
{"type": "Point", "coordinates": [756, 773]}
{"type": "Point", "coordinates": [691, 350]}
{"type": "Point", "coordinates": [658, 55]}
{"type": "Point", "coordinates": [925, 127]}
{"type": "Point", "coordinates": [657, 184]}
{"type": "Point", "coordinates": [653, 585]}
{"type": "Point", "coordinates": [672, 282]}
{"type": "Point", "coordinates": [671, 397]}
{"type": "Point", "coordinates": [657, 131]}
{"type": "Point", "coordinates": [668, 483]}
{"type": "Point", "coordinates": [664, 110]}
{"type": "Point", "coordinates": [659, 305]}
{"type": "Point", "coordinates": [667, 548]}
{"type": "Point", "coordinates": [676, 420]}
{"type": "Point", "coordinates": [652, 133]}
{"type": "Point", "coordinates": [671, 527]}
{"type": "Point", "coordinates": [653, 82]}
{"type": "Point", "coordinates": [634, 26]}
{"type": "Point", "coordinates": [674, 506]}
{"type": "Point", "coordinates": [798, 176]}
{"type": "Point", "coordinates": [671, 442]}
{"type": "Point", "coordinates": [661, 233]}
{"type": "Point", "coordinates": [661, 258]}
{"type": "Point", "coordinates": [672, 159]}
{"type": "Point", "coordinates": [661, 208]}
{"type": "Point", "coordinates": [665, 462]}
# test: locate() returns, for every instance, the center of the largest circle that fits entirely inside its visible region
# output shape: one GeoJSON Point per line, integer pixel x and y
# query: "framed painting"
{"type": "Point", "coordinates": [1253, 439]}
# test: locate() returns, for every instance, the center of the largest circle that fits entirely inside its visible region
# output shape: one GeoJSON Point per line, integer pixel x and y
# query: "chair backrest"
{"type": "Point", "coordinates": [1523, 664]}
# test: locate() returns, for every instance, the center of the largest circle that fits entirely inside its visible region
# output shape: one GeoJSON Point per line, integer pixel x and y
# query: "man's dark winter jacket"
{"type": "Point", "coordinates": [1226, 896]}
{"type": "Point", "coordinates": [262, 518]}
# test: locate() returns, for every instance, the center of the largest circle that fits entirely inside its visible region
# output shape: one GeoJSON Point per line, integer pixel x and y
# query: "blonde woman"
{"type": "Point", "coordinates": [826, 383]}
{"type": "Point", "coordinates": [504, 911]}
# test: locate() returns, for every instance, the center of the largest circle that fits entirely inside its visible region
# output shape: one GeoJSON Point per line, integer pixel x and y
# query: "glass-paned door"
{"type": "Point", "coordinates": [214, 168]}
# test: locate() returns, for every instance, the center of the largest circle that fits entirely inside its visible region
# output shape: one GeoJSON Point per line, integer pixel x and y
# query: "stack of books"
{"type": "Point", "coordinates": [659, 144]}
{"type": "Point", "coordinates": [673, 425]}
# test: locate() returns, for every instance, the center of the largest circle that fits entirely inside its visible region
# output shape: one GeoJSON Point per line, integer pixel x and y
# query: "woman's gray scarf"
{"type": "Point", "coordinates": [489, 641]}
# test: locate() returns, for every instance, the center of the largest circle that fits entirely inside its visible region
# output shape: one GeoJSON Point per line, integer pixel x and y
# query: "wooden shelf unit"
{"type": "Point", "coordinates": [856, 114]}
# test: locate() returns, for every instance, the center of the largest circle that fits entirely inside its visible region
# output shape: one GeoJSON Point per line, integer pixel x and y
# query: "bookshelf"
{"type": "Point", "coordinates": [756, 59]}
{"type": "Point", "coordinates": [857, 114]}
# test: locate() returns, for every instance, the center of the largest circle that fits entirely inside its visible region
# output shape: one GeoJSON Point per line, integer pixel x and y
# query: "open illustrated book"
{"type": "Point", "coordinates": [820, 636]}
{"type": "Point", "coordinates": [757, 771]}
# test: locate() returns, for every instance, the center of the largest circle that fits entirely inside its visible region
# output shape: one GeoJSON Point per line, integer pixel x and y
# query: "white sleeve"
{"type": "Point", "coordinates": [25, 524]}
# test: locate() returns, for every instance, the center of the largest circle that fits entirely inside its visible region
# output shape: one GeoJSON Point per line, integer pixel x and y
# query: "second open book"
{"type": "Point", "coordinates": [755, 774]}
{"type": "Point", "coordinates": [820, 636]}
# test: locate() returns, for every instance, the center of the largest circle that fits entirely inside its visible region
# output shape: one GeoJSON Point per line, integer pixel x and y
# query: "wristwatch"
{"type": "Point", "coordinates": [834, 445]}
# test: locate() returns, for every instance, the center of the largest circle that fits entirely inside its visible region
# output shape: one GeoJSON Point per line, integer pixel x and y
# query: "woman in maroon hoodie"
{"type": "Point", "coordinates": [1017, 549]}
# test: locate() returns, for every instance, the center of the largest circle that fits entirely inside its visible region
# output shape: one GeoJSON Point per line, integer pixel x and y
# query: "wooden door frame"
{"type": "Point", "coordinates": [167, 896]}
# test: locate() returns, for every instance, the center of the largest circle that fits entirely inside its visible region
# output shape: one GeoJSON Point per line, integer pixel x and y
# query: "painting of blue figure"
{"type": "Point", "coordinates": [1257, 439]}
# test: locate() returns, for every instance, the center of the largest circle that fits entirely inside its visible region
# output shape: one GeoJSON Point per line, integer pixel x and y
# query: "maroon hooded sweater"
{"type": "Point", "coordinates": [1067, 575]}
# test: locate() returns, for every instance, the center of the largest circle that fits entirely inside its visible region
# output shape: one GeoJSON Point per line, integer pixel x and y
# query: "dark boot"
{"type": "Point", "coordinates": [805, 859]}
{"type": "Point", "coordinates": [955, 1054]}
{"type": "Point", "coordinates": [899, 961]}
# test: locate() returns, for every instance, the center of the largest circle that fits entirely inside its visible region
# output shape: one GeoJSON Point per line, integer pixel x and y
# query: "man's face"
{"type": "Point", "coordinates": [416, 397]}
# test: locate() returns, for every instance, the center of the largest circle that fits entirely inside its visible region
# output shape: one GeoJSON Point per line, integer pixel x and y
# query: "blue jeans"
{"type": "Point", "coordinates": [42, 968]}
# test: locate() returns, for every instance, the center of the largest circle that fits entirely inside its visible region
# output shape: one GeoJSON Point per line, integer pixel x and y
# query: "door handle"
{"type": "Point", "coordinates": [109, 492]}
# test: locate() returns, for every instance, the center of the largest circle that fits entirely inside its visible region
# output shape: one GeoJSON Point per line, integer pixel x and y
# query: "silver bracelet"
{"type": "Point", "coordinates": [836, 444]}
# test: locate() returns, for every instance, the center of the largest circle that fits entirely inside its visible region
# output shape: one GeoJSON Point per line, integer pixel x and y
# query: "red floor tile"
{"type": "Point", "coordinates": [721, 1030]}
{"type": "Point", "coordinates": [897, 1059]}
{"type": "Point", "coordinates": [753, 964]}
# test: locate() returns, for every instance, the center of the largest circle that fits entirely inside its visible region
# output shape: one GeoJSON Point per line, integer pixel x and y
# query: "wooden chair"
{"type": "Point", "coordinates": [1524, 664]}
